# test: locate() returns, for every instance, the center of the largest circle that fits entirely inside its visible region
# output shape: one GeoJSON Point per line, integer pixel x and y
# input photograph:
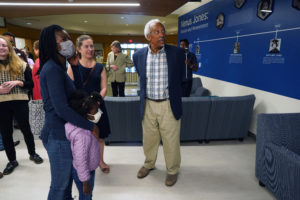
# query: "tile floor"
{"type": "Point", "coordinates": [220, 170]}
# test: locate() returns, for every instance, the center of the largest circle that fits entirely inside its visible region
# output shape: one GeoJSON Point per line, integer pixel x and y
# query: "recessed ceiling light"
{"type": "Point", "coordinates": [28, 23]}
{"type": "Point", "coordinates": [85, 21]}
{"type": "Point", "coordinates": [30, 4]}
{"type": "Point", "coordinates": [122, 17]}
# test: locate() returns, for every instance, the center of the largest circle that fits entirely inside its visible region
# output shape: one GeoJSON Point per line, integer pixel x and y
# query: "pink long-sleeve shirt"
{"type": "Point", "coordinates": [85, 150]}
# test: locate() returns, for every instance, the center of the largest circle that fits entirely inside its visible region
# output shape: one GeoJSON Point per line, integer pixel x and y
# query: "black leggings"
{"type": "Point", "coordinates": [19, 110]}
{"type": "Point", "coordinates": [118, 88]}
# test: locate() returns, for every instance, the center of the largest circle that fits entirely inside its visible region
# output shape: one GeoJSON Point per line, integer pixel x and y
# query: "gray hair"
{"type": "Point", "coordinates": [147, 28]}
{"type": "Point", "coordinates": [116, 44]}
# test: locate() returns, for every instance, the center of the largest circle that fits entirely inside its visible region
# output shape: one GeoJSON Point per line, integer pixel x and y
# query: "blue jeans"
{"type": "Point", "coordinates": [60, 158]}
{"type": "Point", "coordinates": [1, 143]}
{"type": "Point", "coordinates": [79, 185]}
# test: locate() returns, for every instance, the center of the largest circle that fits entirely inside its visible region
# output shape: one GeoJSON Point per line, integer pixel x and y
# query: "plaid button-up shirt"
{"type": "Point", "coordinates": [157, 75]}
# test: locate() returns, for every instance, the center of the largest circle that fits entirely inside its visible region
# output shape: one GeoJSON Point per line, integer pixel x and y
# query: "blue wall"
{"type": "Point", "coordinates": [253, 66]}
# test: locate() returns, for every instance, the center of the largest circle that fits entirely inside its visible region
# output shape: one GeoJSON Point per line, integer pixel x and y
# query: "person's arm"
{"type": "Point", "coordinates": [107, 65]}
{"type": "Point", "coordinates": [70, 73]}
{"type": "Point", "coordinates": [55, 81]}
{"type": "Point", "coordinates": [129, 62]}
{"type": "Point", "coordinates": [194, 64]}
{"type": "Point", "coordinates": [113, 66]}
{"type": "Point", "coordinates": [86, 188]}
{"type": "Point", "coordinates": [103, 83]}
{"type": "Point", "coordinates": [181, 63]}
{"type": "Point", "coordinates": [28, 82]}
{"type": "Point", "coordinates": [125, 62]}
{"type": "Point", "coordinates": [35, 67]}
{"type": "Point", "coordinates": [81, 144]}
{"type": "Point", "coordinates": [30, 62]}
{"type": "Point", "coordinates": [73, 61]}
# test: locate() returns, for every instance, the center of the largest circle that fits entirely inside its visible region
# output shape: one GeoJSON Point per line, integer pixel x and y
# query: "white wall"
{"type": "Point", "coordinates": [265, 102]}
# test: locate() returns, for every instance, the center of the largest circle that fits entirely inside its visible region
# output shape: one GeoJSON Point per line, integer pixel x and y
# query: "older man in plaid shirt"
{"type": "Point", "coordinates": [160, 68]}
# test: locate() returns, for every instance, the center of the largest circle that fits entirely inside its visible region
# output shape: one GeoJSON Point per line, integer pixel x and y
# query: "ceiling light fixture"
{"type": "Point", "coordinates": [31, 4]}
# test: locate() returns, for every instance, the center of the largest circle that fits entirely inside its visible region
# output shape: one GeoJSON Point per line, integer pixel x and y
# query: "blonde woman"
{"type": "Point", "coordinates": [91, 76]}
{"type": "Point", "coordinates": [15, 81]}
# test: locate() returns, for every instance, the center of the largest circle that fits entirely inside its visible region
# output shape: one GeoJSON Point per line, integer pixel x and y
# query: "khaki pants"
{"type": "Point", "coordinates": [160, 123]}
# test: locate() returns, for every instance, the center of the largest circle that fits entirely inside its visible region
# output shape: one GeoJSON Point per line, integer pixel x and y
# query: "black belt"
{"type": "Point", "coordinates": [157, 100]}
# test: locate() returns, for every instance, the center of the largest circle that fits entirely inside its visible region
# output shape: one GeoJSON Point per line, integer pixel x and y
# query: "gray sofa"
{"type": "Point", "coordinates": [194, 120]}
{"type": "Point", "coordinates": [278, 154]}
{"type": "Point", "coordinates": [204, 118]}
{"type": "Point", "coordinates": [197, 88]}
{"type": "Point", "coordinates": [230, 117]}
{"type": "Point", "coordinates": [124, 119]}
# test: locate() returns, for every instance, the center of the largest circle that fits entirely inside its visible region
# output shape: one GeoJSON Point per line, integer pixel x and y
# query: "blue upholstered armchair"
{"type": "Point", "coordinates": [278, 154]}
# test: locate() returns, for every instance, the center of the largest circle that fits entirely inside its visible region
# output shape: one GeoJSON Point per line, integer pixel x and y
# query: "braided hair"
{"type": "Point", "coordinates": [83, 103]}
{"type": "Point", "coordinates": [48, 46]}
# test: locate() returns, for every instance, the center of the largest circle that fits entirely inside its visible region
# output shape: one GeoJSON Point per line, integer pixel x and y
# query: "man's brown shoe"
{"type": "Point", "coordinates": [143, 172]}
{"type": "Point", "coordinates": [171, 179]}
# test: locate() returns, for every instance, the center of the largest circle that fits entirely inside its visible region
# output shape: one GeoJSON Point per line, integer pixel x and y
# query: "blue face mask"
{"type": "Point", "coordinates": [67, 49]}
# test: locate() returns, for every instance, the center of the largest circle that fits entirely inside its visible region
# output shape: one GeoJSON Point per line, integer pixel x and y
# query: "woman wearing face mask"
{"type": "Point", "coordinates": [91, 76]}
{"type": "Point", "coordinates": [56, 86]}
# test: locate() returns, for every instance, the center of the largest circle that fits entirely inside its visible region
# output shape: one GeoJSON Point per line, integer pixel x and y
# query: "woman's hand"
{"type": "Point", "coordinates": [95, 131]}
{"type": "Point", "coordinates": [12, 84]}
{"type": "Point", "coordinates": [4, 90]}
{"type": "Point", "coordinates": [114, 67]}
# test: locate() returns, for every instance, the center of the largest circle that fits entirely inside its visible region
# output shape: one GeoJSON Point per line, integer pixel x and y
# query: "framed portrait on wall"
{"type": "Point", "coordinates": [2, 22]}
{"type": "Point", "coordinates": [239, 3]}
{"type": "Point", "coordinates": [275, 45]}
{"type": "Point", "coordinates": [197, 49]}
{"type": "Point", "coordinates": [264, 9]}
{"type": "Point", "coordinates": [220, 21]}
{"type": "Point", "coordinates": [236, 47]}
{"type": "Point", "coordinates": [296, 4]}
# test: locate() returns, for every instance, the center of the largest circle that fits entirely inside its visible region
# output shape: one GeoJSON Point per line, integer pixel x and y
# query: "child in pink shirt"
{"type": "Point", "coordinates": [84, 145]}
